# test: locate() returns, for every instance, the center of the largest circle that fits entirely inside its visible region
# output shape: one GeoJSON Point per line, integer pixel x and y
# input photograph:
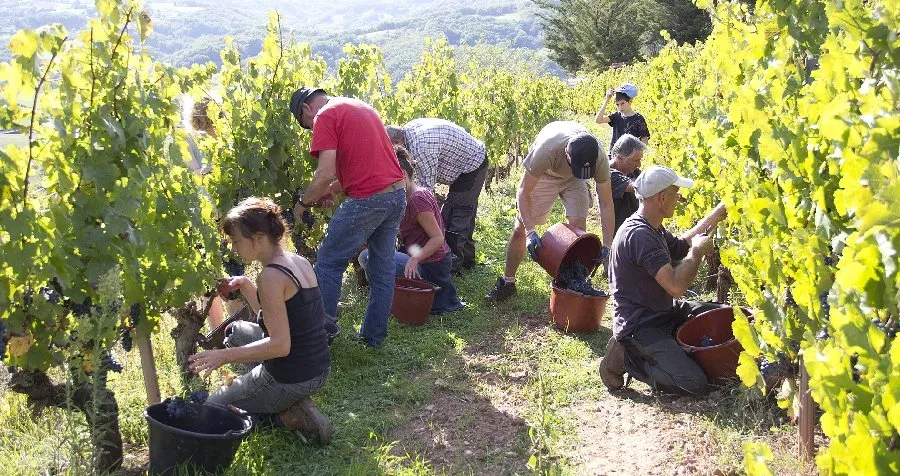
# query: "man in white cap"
{"type": "Point", "coordinates": [625, 120]}
{"type": "Point", "coordinates": [649, 270]}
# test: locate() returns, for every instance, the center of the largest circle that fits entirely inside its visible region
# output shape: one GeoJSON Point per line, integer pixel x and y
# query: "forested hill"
{"type": "Point", "coordinates": [193, 31]}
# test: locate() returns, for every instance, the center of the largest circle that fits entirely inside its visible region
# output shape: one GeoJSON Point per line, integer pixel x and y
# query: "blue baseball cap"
{"type": "Point", "coordinates": [628, 89]}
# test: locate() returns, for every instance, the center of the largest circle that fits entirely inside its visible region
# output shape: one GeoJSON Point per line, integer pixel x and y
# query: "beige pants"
{"type": "Point", "coordinates": [575, 195]}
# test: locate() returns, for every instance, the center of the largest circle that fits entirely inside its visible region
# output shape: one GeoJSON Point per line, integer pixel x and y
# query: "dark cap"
{"type": "Point", "coordinates": [583, 151]}
{"type": "Point", "coordinates": [298, 99]}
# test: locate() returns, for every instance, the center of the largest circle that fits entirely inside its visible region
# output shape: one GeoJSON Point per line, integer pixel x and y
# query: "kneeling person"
{"type": "Point", "coordinates": [290, 342]}
{"type": "Point", "coordinates": [646, 280]}
{"type": "Point", "coordinates": [422, 234]}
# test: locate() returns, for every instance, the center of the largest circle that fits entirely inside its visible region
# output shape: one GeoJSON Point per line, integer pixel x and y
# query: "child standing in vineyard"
{"type": "Point", "coordinates": [289, 337]}
{"type": "Point", "coordinates": [626, 120]}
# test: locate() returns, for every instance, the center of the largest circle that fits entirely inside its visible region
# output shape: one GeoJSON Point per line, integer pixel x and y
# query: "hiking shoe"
{"type": "Point", "coordinates": [357, 337]}
{"type": "Point", "coordinates": [502, 291]}
{"type": "Point", "coordinates": [612, 366]}
{"type": "Point", "coordinates": [303, 416]}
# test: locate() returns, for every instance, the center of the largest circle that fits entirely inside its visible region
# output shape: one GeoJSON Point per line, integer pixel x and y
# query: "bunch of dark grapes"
{"type": "Point", "coordinates": [125, 336]}
{"type": "Point", "coordinates": [854, 372]}
{"type": "Point", "coordinates": [889, 328]}
{"type": "Point", "coordinates": [28, 297]}
{"type": "Point", "coordinates": [706, 341]}
{"type": "Point", "coordinates": [308, 219]}
{"type": "Point", "coordinates": [574, 277]}
{"type": "Point", "coordinates": [134, 315]}
{"type": "Point", "coordinates": [234, 267]}
{"type": "Point", "coordinates": [288, 216]}
{"type": "Point", "coordinates": [830, 261]}
{"type": "Point", "coordinates": [780, 368]}
{"type": "Point", "coordinates": [822, 334]}
{"type": "Point", "coordinates": [108, 362]}
{"type": "Point", "coordinates": [198, 396]}
{"type": "Point", "coordinates": [177, 407]}
{"type": "Point", "coordinates": [2, 340]}
{"type": "Point", "coordinates": [789, 298]}
{"type": "Point", "coordinates": [826, 308]}
{"type": "Point", "coordinates": [83, 309]}
{"type": "Point", "coordinates": [51, 295]}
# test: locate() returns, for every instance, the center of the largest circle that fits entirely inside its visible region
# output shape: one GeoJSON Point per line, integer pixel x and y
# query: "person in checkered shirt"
{"type": "Point", "coordinates": [445, 153]}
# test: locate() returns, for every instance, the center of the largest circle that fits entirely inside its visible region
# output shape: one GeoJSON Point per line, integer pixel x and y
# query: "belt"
{"type": "Point", "coordinates": [392, 187]}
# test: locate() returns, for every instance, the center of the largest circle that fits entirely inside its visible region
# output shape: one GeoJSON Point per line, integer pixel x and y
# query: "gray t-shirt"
{"type": "Point", "coordinates": [637, 254]}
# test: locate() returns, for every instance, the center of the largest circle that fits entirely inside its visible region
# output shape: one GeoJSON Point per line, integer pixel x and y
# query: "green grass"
{"type": "Point", "coordinates": [483, 369]}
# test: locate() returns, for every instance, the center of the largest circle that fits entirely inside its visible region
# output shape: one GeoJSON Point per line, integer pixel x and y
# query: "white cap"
{"type": "Point", "coordinates": [657, 178]}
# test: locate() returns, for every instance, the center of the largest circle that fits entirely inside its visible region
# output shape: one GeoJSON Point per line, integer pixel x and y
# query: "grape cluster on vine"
{"type": "Point", "coordinates": [854, 371]}
{"type": "Point", "coordinates": [3, 340]}
{"type": "Point", "coordinates": [789, 298]}
{"type": "Point", "coordinates": [233, 267]}
{"type": "Point", "coordinates": [781, 368]}
{"type": "Point", "coordinates": [889, 328]}
{"type": "Point", "coordinates": [826, 308]}
{"type": "Point", "coordinates": [108, 362]}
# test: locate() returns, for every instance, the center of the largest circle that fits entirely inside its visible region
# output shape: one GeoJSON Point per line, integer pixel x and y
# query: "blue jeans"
{"type": "Point", "coordinates": [437, 273]}
{"type": "Point", "coordinates": [375, 221]}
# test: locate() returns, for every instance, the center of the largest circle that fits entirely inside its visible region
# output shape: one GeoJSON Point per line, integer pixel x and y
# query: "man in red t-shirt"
{"type": "Point", "coordinates": [355, 156]}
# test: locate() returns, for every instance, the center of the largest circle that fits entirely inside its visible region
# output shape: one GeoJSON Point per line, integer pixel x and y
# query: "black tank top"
{"type": "Point", "coordinates": [309, 356]}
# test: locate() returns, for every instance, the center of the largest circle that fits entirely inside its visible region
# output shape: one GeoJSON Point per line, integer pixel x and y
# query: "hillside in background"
{"type": "Point", "coordinates": [193, 31]}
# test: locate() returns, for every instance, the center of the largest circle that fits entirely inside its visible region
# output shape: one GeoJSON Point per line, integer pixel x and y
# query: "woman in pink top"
{"type": "Point", "coordinates": [427, 255]}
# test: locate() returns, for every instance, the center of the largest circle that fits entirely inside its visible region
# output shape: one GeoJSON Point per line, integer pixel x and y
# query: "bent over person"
{"type": "Point", "coordinates": [445, 153]}
{"type": "Point", "coordinates": [649, 270]}
{"type": "Point", "coordinates": [563, 157]}
{"type": "Point", "coordinates": [354, 156]}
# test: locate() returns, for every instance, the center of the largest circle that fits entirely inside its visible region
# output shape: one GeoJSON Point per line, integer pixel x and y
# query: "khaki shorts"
{"type": "Point", "coordinates": [575, 195]}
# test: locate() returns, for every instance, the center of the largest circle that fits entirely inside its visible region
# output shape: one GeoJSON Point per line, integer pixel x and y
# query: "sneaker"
{"type": "Point", "coordinates": [612, 366]}
{"type": "Point", "coordinates": [304, 417]}
{"type": "Point", "coordinates": [502, 291]}
{"type": "Point", "coordinates": [357, 337]}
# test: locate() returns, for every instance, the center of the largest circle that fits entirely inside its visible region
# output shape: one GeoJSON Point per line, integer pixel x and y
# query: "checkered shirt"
{"type": "Point", "coordinates": [442, 150]}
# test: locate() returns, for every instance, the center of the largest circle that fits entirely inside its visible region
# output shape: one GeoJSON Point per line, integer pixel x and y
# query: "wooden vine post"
{"type": "Point", "coordinates": [148, 367]}
{"type": "Point", "coordinates": [806, 443]}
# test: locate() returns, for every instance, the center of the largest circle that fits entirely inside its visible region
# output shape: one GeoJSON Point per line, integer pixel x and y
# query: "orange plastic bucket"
{"type": "Point", "coordinates": [720, 360]}
{"type": "Point", "coordinates": [412, 300]}
{"type": "Point", "coordinates": [562, 245]}
{"type": "Point", "coordinates": [575, 312]}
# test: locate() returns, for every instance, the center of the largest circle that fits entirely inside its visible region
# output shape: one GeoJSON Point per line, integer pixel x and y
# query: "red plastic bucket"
{"type": "Point", "coordinates": [562, 245]}
{"type": "Point", "coordinates": [412, 300]}
{"type": "Point", "coordinates": [720, 360]}
{"type": "Point", "coordinates": [575, 312]}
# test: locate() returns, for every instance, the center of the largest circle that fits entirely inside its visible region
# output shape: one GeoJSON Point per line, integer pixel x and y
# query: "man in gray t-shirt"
{"type": "Point", "coordinates": [649, 269]}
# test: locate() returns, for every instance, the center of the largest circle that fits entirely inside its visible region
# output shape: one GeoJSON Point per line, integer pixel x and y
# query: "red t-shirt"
{"type": "Point", "coordinates": [366, 163]}
{"type": "Point", "coordinates": [412, 233]}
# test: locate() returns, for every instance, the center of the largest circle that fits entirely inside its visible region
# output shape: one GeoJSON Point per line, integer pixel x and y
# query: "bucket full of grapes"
{"type": "Point", "coordinates": [709, 340]}
{"type": "Point", "coordinates": [562, 245]}
{"type": "Point", "coordinates": [571, 256]}
{"type": "Point", "coordinates": [186, 435]}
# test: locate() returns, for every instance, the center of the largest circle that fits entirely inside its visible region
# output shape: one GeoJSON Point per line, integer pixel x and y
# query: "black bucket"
{"type": "Point", "coordinates": [205, 437]}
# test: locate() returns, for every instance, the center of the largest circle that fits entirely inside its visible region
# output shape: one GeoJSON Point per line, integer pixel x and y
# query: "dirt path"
{"type": "Point", "coordinates": [478, 422]}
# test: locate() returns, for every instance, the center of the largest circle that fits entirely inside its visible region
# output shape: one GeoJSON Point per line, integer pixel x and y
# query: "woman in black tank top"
{"type": "Point", "coordinates": [289, 339]}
